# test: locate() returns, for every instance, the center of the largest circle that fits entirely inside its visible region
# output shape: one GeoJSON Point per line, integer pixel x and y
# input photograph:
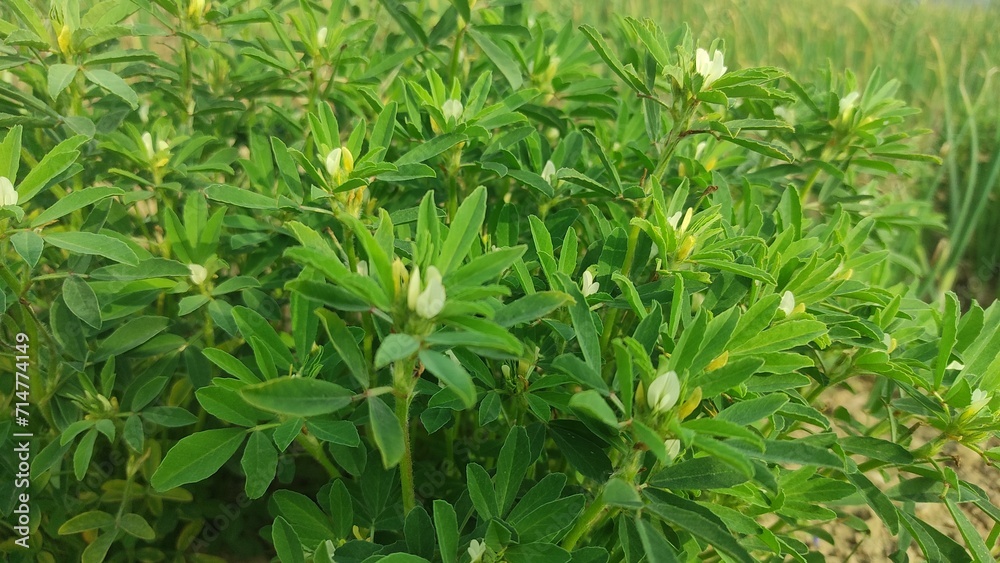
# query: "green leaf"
{"type": "Point", "coordinates": [582, 449]}
{"type": "Point", "coordinates": [736, 268]}
{"type": "Point", "coordinates": [342, 432]}
{"type": "Point", "coordinates": [507, 65]}
{"type": "Point", "coordinates": [612, 61]}
{"type": "Point", "coordinates": [877, 500]}
{"type": "Point", "coordinates": [196, 457]}
{"type": "Point", "coordinates": [310, 524]}
{"type": "Point", "coordinates": [619, 493]}
{"type": "Point", "coordinates": [286, 542]}
{"type": "Point", "coordinates": [658, 549]}
{"type": "Point", "coordinates": [586, 331]}
{"type": "Point", "coordinates": [530, 307]}
{"type": "Point", "coordinates": [512, 466]}
{"type": "Point", "coordinates": [92, 520]}
{"type": "Point", "coordinates": [418, 532]}
{"type": "Point", "coordinates": [297, 396]}
{"type": "Point", "coordinates": [700, 473]}
{"type": "Point", "coordinates": [74, 201]}
{"type": "Point", "coordinates": [260, 461]}
{"type": "Point", "coordinates": [550, 521]}
{"type": "Point", "coordinates": [538, 552]}
{"type": "Point", "coordinates": [341, 509]}
{"type": "Point", "coordinates": [875, 448]}
{"type": "Point", "coordinates": [343, 341]}
{"type": "Point", "coordinates": [97, 551]}
{"type": "Point", "coordinates": [783, 336]}
{"type": "Point", "coordinates": [395, 347]}
{"type": "Point", "coordinates": [114, 84]}
{"type": "Point", "coordinates": [252, 325]}
{"type": "Point", "coordinates": [463, 232]}
{"type": "Point", "coordinates": [446, 526]}
{"type": "Point", "coordinates": [591, 403]}
{"type": "Point", "coordinates": [60, 76]}
{"type": "Point", "coordinates": [748, 412]}
{"type": "Point", "coordinates": [697, 521]}
{"type": "Point", "coordinates": [28, 245]}
{"type": "Point", "coordinates": [129, 336]}
{"type": "Point", "coordinates": [82, 242]}
{"type": "Point", "coordinates": [481, 492]}
{"type": "Point", "coordinates": [431, 148]}
{"type": "Point", "coordinates": [82, 301]}
{"type": "Point", "coordinates": [387, 432]}
{"type": "Point", "coordinates": [452, 374]}
{"type": "Point", "coordinates": [239, 197]}
{"type": "Point", "coordinates": [227, 405]}
{"type": "Point", "coordinates": [52, 165]}
{"type": "Point", "coordinates": [135, 525]}
{"type": "Point", "coordinates": [230, 365]}
{"type": "Point", "coordinates": [977, 547]}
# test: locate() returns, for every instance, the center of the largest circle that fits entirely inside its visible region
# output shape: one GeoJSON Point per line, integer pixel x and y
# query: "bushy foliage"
{"type": "Point", "coordinates": [467, 283]}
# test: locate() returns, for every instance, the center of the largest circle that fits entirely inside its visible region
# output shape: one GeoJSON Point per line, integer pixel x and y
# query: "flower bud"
{"type": "Point", "coordinates": [787, 303]}
{"type": "Point", "coordinates": [413, 292]}
{"type": "Point", "coordinates": [198, 273]}
{"type": "Point", "coordinates": [549, 173]}
{"type": "Point", "coordinates": [690, 404]}
{"type": "Point", "coordinates": [452, 110]}
{"type": "Point", "coordinates": [663, 392]}
{"type": "Point", "coordinates": [400, 276]}
{"type": "Point", "coordinates": [321, 36]}
{"type": "Point", "coordinates": [65, 40]}
{"type": "Point", "coordinates": [588, 286]}
{"type": "Point", "coordinates": [431, 300]}
{"type": "Point", "coordinates": [673, 448]}
{"type": "Point", "coordinates": [684, 250]}
{"type": "Point", "coordinates": [8, 195]}
{"type": "Point", "coordinates": [720, 361]}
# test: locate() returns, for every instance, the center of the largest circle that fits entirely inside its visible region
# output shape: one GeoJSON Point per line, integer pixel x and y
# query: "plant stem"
{"type": "Point", "coordinates": [403, 383]}
{"type": "Point", "coordinates": [584, 524]}
{"type": "Point", "coordinates": [312, 446]}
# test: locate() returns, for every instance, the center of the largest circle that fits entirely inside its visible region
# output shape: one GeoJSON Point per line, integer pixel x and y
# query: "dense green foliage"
{"type": "Point", "coordinates": [395, 282]}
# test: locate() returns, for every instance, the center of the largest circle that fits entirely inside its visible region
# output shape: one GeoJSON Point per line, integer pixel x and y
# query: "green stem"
{"type": "Point", "coordinates": [403, 383]}
{"type": "Point", "coordinates": [312, 446]}
{"type": "Point", "coordinates": [586, 522]}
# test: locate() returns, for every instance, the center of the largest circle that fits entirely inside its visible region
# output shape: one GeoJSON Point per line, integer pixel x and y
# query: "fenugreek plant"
{"type": "Point", "coordinates": [459, 283]}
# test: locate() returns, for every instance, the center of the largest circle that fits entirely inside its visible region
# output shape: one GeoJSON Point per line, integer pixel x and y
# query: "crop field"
{"type": "Point", "coordinates": [505, 281]}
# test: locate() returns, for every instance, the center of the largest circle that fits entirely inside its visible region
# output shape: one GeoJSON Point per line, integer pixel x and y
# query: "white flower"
{"type": "Point", "coordinates": [413, 291]}
{"type": "Point", "coordinates": [681, 225]}
{"type": "Point", "coordinates": [979, 400]}
{"type": "Point", "coordinates": [848, 102]}
{"type": "Point", "coordinates": [673, 448]}
{"type": "Point", "coordinates": [664, 392]}
{"type": "Point", "coordinates": [955, 364]}
{"type": "Point", "coordinates": [198, 273]}
{"type": "Point", "coordinates": [588, 286]}
{"type": "Point", "coordinates": [549, 172]}
{"type": "Point", "coordinates": [321, 36]}
{"type": "Point", "coordinates": [427, 302]}
{"type": "Point", "coordinates": [476, 551]}
{"type": "Point", "coordinates": [333, 161]}
{"type": "Point", "coordinates": [452, 109]}
{"type": "Point", "coordinates": [8, 196]}
{"type": "Point", "coordinates": [889, 341]}
{"type": "Point", "coordinates": [147, 142]}
{"type": "Point", "coordinates": [362, 268]}
{"type": "Point", "coordinates": [711, 69]}
{"type": "Point", "coordinates": [431, 300]}
{"type": "Point", "coordinates": [787, 303]}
